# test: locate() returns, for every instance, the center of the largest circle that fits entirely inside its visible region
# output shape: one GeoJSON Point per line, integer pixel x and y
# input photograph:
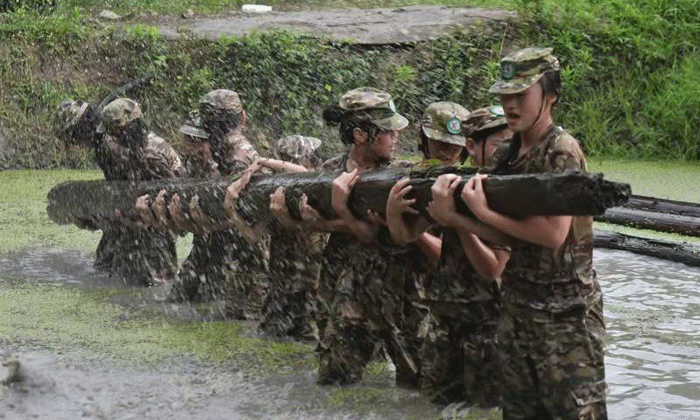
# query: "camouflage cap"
{"type": "Point", "coordinates": [118, 114]}
{"type": "Point", "coordinates": [442, 121]}
{"type": "Point", "coordinates": [69, 113]}
{"type": "Point", "coordinates": [219, 102]}
{"type": "Point", "coordinates": [193, 127]}
{"type": "Point", "coordinates": [297, 149]}
{"type": "Point", "coordinates": [373, 105]}
{"type": "Point", "coordinates": [523, 68]}
{"type": "Point", "coordinates": [489, 119]}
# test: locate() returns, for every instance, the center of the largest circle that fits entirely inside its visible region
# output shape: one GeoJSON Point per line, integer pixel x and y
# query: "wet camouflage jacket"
{"type": "Point", "coordinates": [137, 255]}
{"type": "Point", "coordinates": [456, 283]}
{"type": "Point", "coordinates": [357, 277]}
{"type": "Point", "coordinates": [238, 154]}
{"type": "Point", "coordinates": [535, 275]}
{"type": "Point", "coordinates": [156, 146]}
{"type": "Point", "coordinates": [155, 161]}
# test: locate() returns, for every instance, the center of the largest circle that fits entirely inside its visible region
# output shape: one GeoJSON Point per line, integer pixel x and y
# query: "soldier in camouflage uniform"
{"type": "Point", "coordinates": [222, 263]}
{"type": "Point", "coordinates": [364, 275]}
{"type": "Point", "coordinates": [194, 281]}
{"type": "Point", "coordinates": [197, 159]}
{"type": "Point", "coordinates": [552, 331]}
{"type": "Point", "coordinates": [440, 137]}
{"type": "Point", "coordinates": [459, 355]}
{"type": "Point", "coordinates": [76, 123]}
{"type": "Point", "coordinates": [295, 259]}
{"type": "Point", "coordinates": [127, 150]}
{"type": "Point", "coordinates": [295, 253]}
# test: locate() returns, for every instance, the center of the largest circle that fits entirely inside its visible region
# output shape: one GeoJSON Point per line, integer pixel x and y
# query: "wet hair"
{"type": "Point", "coordinates": [551, 85]}
{"type": "Point", "coordinates": [423, 145]}
{"type": "Point", "coordinates": [334, 115]}
{"type": "Point", "coordinates": [221, 120]}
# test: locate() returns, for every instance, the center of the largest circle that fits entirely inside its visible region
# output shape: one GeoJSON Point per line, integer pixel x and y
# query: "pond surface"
{"type": "Point", "coordinates": [652, 310]}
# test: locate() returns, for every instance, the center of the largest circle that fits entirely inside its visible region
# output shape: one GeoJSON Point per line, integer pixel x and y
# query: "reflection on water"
{"type": "Point", "coordinates": [652, 309]}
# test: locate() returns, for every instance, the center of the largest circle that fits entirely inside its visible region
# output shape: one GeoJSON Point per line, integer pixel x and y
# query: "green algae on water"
{"type": "Point", "coordinates": [70, 318]}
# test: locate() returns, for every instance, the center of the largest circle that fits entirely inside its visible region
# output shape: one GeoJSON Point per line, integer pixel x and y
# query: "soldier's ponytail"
{"type": "Point", "coordinates": [551, 85]}
{"type": "Point", "coordinates": [335, 115]}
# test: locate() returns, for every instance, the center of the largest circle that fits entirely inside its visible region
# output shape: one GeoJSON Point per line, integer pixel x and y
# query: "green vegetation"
{"type": "Point", "coordinates": [629, 68]}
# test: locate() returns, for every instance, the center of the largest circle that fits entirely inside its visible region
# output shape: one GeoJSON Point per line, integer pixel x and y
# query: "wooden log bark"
{"type": "Point", "coordinates": [659, 205]}
{"type": "Point", "coordinates": [664, 222]}
{"type": "Point", "coordinates": [674, 251]}
{"type": "Point", "coordinates": [515, 195]}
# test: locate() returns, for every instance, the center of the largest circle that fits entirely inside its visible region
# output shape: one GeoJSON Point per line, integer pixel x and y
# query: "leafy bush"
{"type": "Point", "coordinates": [43, 6]}
{"type": "Point", "coordinates": [628, 73]}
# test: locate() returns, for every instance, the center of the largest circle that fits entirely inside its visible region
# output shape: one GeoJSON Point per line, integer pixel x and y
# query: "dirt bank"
{"type": "Point", "coordinates": [371, 26]}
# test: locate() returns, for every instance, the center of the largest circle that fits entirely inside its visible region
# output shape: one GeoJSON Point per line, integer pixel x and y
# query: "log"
{"type": "Point", "coordinates": [643, 219]}
{"type": "Point", "coordinates": [674, 251]}
{"type": "Point", "coordinates": [659, 205]}
{"type": "Point", "coordinates": [514, 195]}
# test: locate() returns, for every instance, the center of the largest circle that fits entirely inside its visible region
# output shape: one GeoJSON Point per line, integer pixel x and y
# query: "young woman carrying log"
{"type": "Point", "coordinates": [458, 354]}
{"type": "Point", "coordinates": [552, 331]}
{"type": "Point", "coordinates": [364, 274]}
{"type": "Point", "coordinates": [295, 253]}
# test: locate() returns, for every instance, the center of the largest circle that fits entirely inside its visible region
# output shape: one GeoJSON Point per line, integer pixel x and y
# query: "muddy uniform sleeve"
{"type": "Point", "coordinates": [165, 154]}
{"type": "Point", "coordinates": [240, 154]}
{"type": "Point", "coordinates": [565, 155]}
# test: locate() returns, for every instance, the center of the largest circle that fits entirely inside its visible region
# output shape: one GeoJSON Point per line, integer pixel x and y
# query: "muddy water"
{"type": "Point", "coordinates": [90, 347]}
{"type": "Point", "coordinates": [653, 357]}
{"type": "Point", "coordinates": [652, 309]}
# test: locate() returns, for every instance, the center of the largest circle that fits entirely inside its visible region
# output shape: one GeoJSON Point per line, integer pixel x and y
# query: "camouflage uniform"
{"type": "Point", "coordinates": [552, 331]}
{"type": "Point", "coordinates": [135, 254]}
{"type": "Point", "coordinates": [196, 272]}
{"type": "Point", "coordinates": [222, 263]}
{"type": "Point", "coordinates": [363, 287]}
{"type": "Point", "coordinates": [295, 261]}
{"type": "Point", "coordinates": [458, 354]}
{"type": "Point", "coordinates": [76, 122]}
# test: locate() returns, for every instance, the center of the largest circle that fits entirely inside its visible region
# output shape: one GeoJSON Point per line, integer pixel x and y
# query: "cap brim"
{"type": "Point", "coordinates": [315, 142]}
{"type": "Point", "coordinates": [395, 122]}
{"type": "Point", "coordinates": [100, 129]}
{"type": "Point", "coordinates": [433, 134]}
{"type": "Point", "coordinates": [194, 132]}
{"type": "Point", "coordinates": [516, 85]}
